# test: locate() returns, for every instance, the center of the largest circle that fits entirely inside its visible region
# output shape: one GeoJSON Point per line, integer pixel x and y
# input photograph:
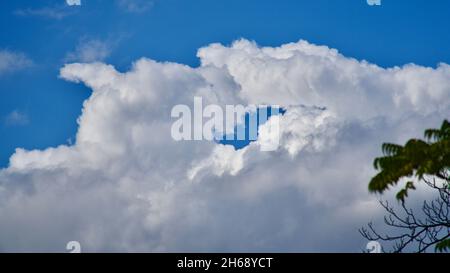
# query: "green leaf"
{"type": "Point", "coordinates": [417, 158]}
{"type": "Point", "coordinates": [443, 246]}
{"type": "Point", "coordinates": [402, 194]}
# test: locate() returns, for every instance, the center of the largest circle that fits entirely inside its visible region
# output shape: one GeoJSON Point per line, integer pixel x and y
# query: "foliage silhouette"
{"type": "Point", "coordinates": [426, 161]}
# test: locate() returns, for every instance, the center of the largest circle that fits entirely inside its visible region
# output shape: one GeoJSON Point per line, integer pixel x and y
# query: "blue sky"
{"type": "Point", "coordinates": [46, 108]}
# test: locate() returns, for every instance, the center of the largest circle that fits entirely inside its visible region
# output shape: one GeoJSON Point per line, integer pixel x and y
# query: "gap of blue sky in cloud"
{"type": "Point", "coordinates": [261, 116]}
{"type": "Point", "coordinates": [360, 75]}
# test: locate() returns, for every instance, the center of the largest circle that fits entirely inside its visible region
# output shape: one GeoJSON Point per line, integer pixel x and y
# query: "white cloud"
{"type": "Point", "coordinates": [16, 118]}
{"type": "Point", "coordinates": [125, 185]}
{"type": "Point", "coordinates": [73, 2]}
{"type": "Point", "coordinates": [89, 51]}
{"type": "Point", "coordinates": [11, 61]}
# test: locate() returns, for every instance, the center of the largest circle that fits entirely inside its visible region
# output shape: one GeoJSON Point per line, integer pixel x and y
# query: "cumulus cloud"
{"type": "Point", "coordinates": [11, 61]}
{"type": "Point", "coordinates": [126, 185]}
{"type": "Point", "coordinates": [90, 51]}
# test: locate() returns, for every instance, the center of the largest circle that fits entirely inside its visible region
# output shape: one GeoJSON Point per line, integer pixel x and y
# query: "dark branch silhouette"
{"type": "Point", "coordinates": [429, 162]}
{"type": "Point", "coordinates": [419, 233]}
